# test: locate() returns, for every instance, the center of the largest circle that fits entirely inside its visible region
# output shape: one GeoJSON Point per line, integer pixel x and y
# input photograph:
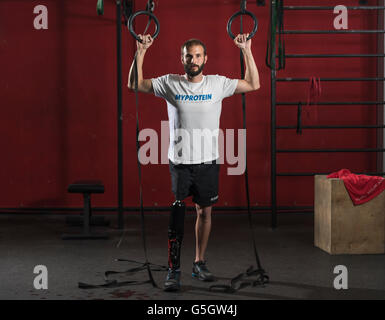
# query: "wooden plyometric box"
{"type": "Point", "coordinates": [340, 227]}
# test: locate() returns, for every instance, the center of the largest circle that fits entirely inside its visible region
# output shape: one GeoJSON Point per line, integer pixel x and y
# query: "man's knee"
{"type": "Point", "coordinates": [203, 211]}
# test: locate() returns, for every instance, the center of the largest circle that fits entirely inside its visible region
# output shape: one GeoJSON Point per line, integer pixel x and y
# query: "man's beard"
{"type": "Point", "coordinates": [190, 72]}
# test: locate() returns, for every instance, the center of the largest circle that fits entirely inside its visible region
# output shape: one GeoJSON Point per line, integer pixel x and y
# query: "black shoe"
{"type": "Point", "coordinates": [172, 282]}
{"type": "Point", "coordinates": [201, 272]}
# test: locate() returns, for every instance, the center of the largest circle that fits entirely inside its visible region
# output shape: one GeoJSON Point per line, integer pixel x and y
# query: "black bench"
{"type": "Point", "coordinates": [86, 187]}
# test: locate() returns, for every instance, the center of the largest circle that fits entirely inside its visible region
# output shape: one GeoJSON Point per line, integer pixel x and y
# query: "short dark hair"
{"type": "Point", "coordinates": [193, 42]}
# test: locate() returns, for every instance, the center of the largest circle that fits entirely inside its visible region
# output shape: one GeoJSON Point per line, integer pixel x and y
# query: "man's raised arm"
{"type": "Point", "coordinates": [144, 85]}
{"type": "Point", "coordinates": [251, 81]}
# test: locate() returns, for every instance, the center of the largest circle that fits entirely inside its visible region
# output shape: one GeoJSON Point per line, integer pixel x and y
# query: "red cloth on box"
{"type": "Point", "coordinates": [361, 188]}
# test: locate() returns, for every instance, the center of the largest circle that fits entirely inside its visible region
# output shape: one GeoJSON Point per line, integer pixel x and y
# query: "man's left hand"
{"type": "Point", "coordinates": [241, 41]}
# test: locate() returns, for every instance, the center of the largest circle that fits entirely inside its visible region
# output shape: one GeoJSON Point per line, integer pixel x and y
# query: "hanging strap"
{"type": "Point", "coordinates": [146, 265]}
{"type": "Point", "coordinates": [281, 42]}
{"type": "Point", "coordinates": [299, 118]}
{"type": "Point", "coordinates": [270, 46]}
{"type": "Point", "coordinates": [314, 92]}
{"type": "Point", "coordinates": [243, 279]}
{"type": "Point", "coordinates": [100, 7]}
{"type": "Point", "coordinates": [276, 23]}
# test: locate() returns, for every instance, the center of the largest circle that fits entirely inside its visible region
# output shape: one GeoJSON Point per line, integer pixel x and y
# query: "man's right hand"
{"type": "Point", "coordinates": [147, 42]}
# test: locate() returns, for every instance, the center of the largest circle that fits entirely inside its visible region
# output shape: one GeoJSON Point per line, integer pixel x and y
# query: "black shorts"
{"type": "Point", "coordinates": [197, 180]}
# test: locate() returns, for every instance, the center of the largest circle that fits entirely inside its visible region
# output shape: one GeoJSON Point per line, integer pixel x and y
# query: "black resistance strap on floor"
{"type": "Point", "coordinates": [146, 265]}
{"type": "Point", "coordinates": [252, 277]}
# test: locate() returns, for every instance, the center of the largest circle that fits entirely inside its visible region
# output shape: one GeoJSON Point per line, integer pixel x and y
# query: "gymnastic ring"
{"type": "Point", "coordinates": [245, 12]}
{"type": "Point", "coordinates": [138, 13]}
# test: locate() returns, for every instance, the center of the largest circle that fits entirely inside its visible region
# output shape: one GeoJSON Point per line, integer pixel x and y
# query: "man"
{"type": "Point", "coordinates": [194, 104]}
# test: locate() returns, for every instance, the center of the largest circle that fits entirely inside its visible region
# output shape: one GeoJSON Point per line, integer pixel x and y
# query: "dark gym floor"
{"type": "Point", "coordinates": [296, 268]}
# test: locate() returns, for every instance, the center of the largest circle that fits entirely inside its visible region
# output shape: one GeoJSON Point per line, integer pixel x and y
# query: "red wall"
{"type": "Point", "coordinates": [58, 100]}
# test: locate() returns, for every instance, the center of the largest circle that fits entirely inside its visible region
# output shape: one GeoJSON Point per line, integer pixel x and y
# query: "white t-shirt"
{"type": "Point", "coordinates": [194, 110]}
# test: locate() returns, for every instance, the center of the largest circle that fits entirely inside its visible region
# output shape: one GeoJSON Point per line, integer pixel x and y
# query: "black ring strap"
{"type": "Point", "coordinates": [239, 13]}
{"type": "Point", "coordinates": [151, 17]}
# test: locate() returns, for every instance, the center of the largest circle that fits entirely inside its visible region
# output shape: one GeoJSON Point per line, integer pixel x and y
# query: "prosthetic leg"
{"type": "Point", "coordinates": [175, 238]}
